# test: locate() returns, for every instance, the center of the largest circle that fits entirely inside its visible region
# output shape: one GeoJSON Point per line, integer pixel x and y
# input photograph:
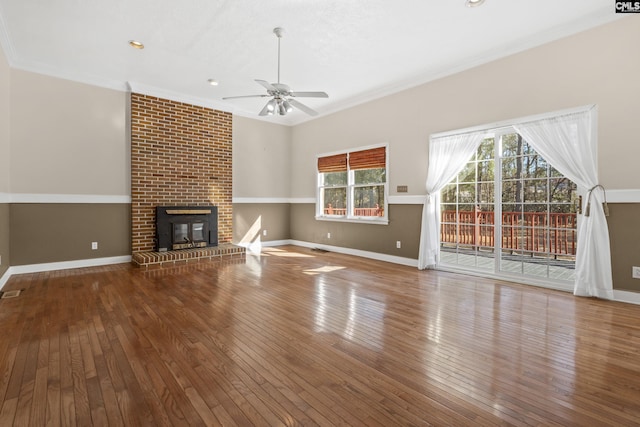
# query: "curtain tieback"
{"type": "Point", "coordinates": [605, 206]}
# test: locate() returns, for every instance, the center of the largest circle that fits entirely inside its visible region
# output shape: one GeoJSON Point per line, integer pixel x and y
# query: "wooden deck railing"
{"type": "Point", "coordinates": [356, 211]}
{"type": "Point", "coordinates": [554, 233]}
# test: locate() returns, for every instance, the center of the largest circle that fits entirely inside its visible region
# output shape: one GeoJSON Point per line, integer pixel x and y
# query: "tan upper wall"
{"type": "Point", "coordinates": [70, 138]}
{"type": "Point", "coordinates": [261, 159]}
{"type": "Point", "coordinates": [599, 66]}
{"type": "Point", "coordinates": [5, 93]}
{"type": "Point", "coordinates": [67, 137]}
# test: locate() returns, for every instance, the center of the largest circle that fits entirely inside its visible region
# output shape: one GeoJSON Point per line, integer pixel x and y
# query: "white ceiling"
{"type": "Point", "coordinates": [355, 50]}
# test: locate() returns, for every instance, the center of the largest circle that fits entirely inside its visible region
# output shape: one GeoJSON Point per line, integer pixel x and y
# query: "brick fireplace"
{"type": "Point", "coordinates": [180, 156]}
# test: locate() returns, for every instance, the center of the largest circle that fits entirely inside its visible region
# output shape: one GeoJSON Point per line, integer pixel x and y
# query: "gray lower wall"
{"type": "Point", "coordinates": [4, 238]}
{"type": "Point", "coordinates": [42, 233]}
{"type": "Point", "coordinates": [404, 225]}
{"type": "Point", "coordinates": [285, 221]}
{"type": "Point", "coordinates": [624, 234]}
{"type": "Point", "coordinates": [250, 220]}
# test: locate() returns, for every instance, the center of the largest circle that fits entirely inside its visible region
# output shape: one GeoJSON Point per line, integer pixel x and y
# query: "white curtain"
{"type": "Point", "coordinates": [447, 156]}
{"type": "Point", "coordinates": [569, 143]}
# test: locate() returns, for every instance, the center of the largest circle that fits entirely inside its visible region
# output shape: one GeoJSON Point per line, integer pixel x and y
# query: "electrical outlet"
{"type": "Point", "coordinates": [94, 246]}
{"type": "Point", "coordinates": [635, 272]}
{"type": "Point", "coordinates": [398, 244]}
{"type": "Point", "coordinates": [264, 232]}
{"type": "Point", "coordinates": [328, 235]}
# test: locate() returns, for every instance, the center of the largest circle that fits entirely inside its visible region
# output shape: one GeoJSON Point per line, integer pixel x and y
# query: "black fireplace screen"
{"type": "Point", "coordinates": [189, 235]}
{"type": "Point", "coordinates": [184, 227]}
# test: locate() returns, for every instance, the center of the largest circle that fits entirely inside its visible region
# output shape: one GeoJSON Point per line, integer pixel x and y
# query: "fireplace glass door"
{"type": "Point", "coordinates": [189, 235]}
{"type": "Point", "coordinates": [197, 232]}
{"type": "Point", "coordinates": [180, 233]}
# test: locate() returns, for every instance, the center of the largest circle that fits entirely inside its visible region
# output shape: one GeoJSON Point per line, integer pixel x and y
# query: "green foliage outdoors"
{"type": "Point", "coordinates": [368, 188]}
{"type": "Point", "coordinates": [529, 183]}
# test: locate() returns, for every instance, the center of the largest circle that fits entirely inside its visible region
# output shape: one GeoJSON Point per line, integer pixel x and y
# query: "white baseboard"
{"type": "Point", "coordinates": [5, 277]}
{"type": "Point", "coordinates": [254, 248]}
{"type": "Point", "coordinates": [64, 265]}
{"type": "Point", "coordinates": [357, 252]}
{"type": "Point", "coordinates": [626, 296]}
{"type": "Point", "coordinates": [273, 243]}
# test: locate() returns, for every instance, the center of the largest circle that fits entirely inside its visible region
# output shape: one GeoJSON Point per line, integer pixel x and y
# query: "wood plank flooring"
{"type": "Point", "coordinates": [298, 337]}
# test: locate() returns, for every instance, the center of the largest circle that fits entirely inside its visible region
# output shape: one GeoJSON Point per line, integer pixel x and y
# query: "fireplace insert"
{"type": "Point", "coordinates": [185, 227]}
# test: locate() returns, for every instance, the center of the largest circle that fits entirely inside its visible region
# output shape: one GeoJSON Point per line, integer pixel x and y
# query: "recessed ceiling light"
{"type": "Point", "coordinates": [473, 3]}
{"type": "Point", "coordinates": [213, 82]}
{"type": "Point", "coordinates": [136, 44]}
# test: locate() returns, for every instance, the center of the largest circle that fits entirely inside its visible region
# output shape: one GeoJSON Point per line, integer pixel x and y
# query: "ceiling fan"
{"type": "Point", "coordinates": [282, 101]}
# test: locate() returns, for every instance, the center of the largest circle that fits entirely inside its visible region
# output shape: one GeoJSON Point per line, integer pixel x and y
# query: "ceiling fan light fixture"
{"type": "Point", "coordinates": [473, 3]}
{"type": "Point", "coordinates": [280, 103]}
{"type": "Point", "coordinates": [282, 110]}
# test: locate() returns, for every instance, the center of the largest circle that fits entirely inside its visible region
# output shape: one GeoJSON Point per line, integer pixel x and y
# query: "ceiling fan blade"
{"type": "Point", "coordinates": [245, 96]}
{"type": "Point", "coordinates": [309, 94]}
{"type": "Point", "coordinates": [266, 85]}
{"type": "Point", "coordinates": [299, 105]}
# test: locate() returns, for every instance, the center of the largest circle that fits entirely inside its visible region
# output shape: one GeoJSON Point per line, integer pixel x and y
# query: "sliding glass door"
{"type": "Point", "coordinates": [510, 213]}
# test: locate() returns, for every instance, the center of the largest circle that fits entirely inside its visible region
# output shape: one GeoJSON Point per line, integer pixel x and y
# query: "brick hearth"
{"type": "Point", "coordinates": [185, 256]}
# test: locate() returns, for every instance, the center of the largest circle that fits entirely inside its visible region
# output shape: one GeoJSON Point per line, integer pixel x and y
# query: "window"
{"type": "Point", "coordinates": [353, 186]}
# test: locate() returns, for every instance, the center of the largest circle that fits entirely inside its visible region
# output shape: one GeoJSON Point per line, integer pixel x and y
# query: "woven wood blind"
{"type": "Point", "coordinates": [337, 163]}
{"type": "Point", "coordinates": [374, 158]}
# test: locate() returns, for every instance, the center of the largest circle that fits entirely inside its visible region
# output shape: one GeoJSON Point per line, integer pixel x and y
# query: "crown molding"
{"type": "Point", "coordinates": [600, 17]}
{"type": "Point", "coordinates": [596, 19]}
{"type": "Point", "coordinates": [144, 89]}
{"type": "Point", "coordinates": [158, 92]}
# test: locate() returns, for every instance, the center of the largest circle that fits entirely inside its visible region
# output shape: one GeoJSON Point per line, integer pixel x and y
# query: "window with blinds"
{"type": "Point", "coordinates": [353, 185]}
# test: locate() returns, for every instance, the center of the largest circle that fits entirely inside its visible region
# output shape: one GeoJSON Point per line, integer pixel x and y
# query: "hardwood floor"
{"type": "Point", "coordinates": [298, 337]}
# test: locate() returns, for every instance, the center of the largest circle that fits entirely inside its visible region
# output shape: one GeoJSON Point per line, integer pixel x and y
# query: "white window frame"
{"type": "Point", "coordinates": [350, 187]}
